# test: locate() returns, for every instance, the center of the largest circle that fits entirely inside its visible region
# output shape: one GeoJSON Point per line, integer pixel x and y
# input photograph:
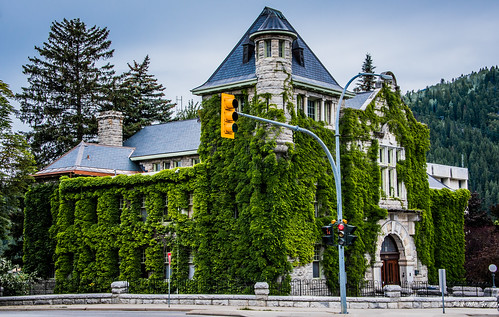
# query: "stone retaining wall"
{"type": "Point", "coordinates": [252, 300]}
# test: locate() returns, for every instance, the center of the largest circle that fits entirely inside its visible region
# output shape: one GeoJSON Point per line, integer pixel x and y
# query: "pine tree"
{"type": "Point", "coordinates": [141, 99]}
{"type": "Point", "coordinates": [189, 112]}
{"type": "Point", "coordinates": [367, 83]}
{"type": "Point", "coordinates": [16, 166]}
{"type": "Point", "coordinates": [68, 85]}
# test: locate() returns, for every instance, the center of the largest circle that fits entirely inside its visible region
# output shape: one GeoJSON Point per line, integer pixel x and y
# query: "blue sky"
{"type": "Point", "coordinates": [419, 41]}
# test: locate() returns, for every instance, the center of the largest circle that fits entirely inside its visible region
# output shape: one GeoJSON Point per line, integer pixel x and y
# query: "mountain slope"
{"type": "Point", "coordinates": [463, 117]}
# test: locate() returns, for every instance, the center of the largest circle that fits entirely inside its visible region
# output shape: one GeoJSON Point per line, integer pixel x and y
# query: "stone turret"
{"type": "Point", "coordinates": [273, 58]}
{"type": "Point", "coordinates": [110, 128]}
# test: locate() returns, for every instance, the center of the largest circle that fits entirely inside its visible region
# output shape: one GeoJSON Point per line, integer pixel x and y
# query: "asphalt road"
{"type": "Point", "coordinates": [87, 313]}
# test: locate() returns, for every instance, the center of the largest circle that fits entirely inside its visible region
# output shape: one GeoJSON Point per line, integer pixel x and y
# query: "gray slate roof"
{"type": "Point", "coordinates": [94, 158]}
{"type": "Point", "coordinates": [171, 137]}
{"type": "Point", "coordinates": [361, 100]}
{"type": "Point", "coordinates": [435, 184]}
{"type": "Point", "coordinates": [233, 70]}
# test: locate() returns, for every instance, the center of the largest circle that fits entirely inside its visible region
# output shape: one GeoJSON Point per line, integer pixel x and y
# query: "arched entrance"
{"type": "Point", "coordinates": [390, 272]}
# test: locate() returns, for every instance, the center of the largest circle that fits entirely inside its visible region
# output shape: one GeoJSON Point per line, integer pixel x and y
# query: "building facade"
{"type": "Point", "coordinates": [263, 206]}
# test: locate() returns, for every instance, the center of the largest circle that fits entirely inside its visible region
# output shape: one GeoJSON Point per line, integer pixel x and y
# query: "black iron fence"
{"type": "Point", "coordinates": [145, 286]}
{"type": "Point", "coordinates": [314, 287]}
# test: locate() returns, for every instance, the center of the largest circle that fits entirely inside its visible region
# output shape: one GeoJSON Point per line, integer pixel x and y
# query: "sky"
{"type": "Point", "coordinates": [421, 41]}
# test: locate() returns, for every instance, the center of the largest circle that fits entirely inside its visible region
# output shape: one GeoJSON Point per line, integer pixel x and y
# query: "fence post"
{"type": "Point", "coordinates": [392, 290]}
{"type": "Point", "coordinates": [117, 288]}
{"type": "Point", "coordinates": [262, 293]}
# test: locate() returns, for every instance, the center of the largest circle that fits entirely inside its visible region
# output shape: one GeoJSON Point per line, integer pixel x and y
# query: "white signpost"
{"type": "Point", "coordinates": [443, 286]}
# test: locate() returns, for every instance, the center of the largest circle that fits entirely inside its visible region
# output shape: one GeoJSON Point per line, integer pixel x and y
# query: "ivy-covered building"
{"type": "Point", "coordinates": [250, 209]}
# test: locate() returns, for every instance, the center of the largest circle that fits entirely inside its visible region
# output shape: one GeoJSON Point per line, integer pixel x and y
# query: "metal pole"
{"type": "Point", "coordinates": [339, 208]}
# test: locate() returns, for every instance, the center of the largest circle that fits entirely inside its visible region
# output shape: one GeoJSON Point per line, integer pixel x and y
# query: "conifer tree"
{"type": "Point", "coordinates": [189, 112]}
{"type": "Point", "coordinates": [141, 99]}
{"type": "Point", "coordinates": [16, 166]}
{"type": "Point", "coordinates": [68, 84]}
{"type": "Point", "coordinates": [367, 83]}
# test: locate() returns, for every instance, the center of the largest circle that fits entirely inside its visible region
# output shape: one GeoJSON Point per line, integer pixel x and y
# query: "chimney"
{"type": "Point", "coordinates": [110, 128]}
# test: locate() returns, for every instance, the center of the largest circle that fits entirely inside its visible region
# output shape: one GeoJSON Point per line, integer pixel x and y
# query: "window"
{"type": "Point", "coordinates": [242, 102]}
{"type": "Point", "coordinates": [166, 216]}
{"type": "Point", "coordinates": [298, 53]}
{"type": "Point", "coordinates": [316, 264]}
{"type": "Point", "coordinates": [166, 165]}
{"type": "Point", "coordinates": [327, 112]}
{"type": "Point", "coordinates": [268, 48]}
{"type": "Point", "coordinates": [281, 48]}
{"type": "Point", "coordinates": [248, 51]}
{"type": "Point", "coordinates": [124, 203]}
{"type": "Point", "coordinates": [317, 206]}
{"type": "Point", "coordinates": [177, 164]}
{"type": "Point", "coordinates": [143, 210]}
{"type": "Point", "coordinates": [390, 183]}
{"type": "Point", "coordinates": [190, 207]}
{"type": "Point", "coordinates": [156, 167]}
{"type": "Point", "coordinates": [195, 161]}
{"type": "Point", "coordinates": [311, 109]}
{"type": "Point", "coordinates": [299, 101]}
{"type": "Point", "coordinates": [192, 269]}
{"type": "Point", "coordinates": [190, 210]}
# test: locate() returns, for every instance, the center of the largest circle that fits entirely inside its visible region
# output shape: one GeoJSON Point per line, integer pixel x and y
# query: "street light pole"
{"type": "Point", "coordinates": [337, 180]}
{"type": "Point", "coordinates": [335, 166]}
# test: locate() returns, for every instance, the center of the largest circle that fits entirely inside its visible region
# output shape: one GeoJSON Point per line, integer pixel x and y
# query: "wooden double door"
{"type": "Point", "coordinates": [390, 271]}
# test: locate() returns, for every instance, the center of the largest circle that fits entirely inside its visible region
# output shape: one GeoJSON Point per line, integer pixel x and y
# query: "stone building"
{"type": "Point", "coordinates": [273, 63]}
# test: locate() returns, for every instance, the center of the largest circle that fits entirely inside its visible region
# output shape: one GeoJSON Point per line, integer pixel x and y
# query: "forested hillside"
{"type": "Point", "coordinates": [463, 117]}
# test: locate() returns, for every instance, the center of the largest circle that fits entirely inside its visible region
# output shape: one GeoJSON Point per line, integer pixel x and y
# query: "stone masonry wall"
{"type": "Point", "coordinates": [110, 128]}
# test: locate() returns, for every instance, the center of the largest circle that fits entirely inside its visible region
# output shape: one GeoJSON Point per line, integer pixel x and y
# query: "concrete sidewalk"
{"type": "Point", "coordinates": [212, 310]}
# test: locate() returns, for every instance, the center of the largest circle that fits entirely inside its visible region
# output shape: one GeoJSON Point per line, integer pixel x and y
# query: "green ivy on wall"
{"type": "Point", "coordinates": [256, 213]}
{"type": "Point", "coordinates": [119, 228]}
{"type": "Point", "coordinates": [39, 244]}
{"type": "Point", "coordinates": [449, 234]}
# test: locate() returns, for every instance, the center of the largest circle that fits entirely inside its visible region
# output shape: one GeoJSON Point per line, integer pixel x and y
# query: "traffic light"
{"type": "Point", "coordinates": [328, 237]}
{"type": "Point", "coordinates": [341, 234]}
{"type": "Point", "coordinates": [229, 116]}
{"type": "Point", "coordinates": [349, 236]}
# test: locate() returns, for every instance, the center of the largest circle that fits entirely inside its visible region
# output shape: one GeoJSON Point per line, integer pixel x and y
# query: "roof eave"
{"type": "Point", "coordinates": [240, 84]}
{"type": "Point", "coordinates": [274, 31]}
{"type": "Point", "coordinates": [163, 155]}
{"type": "Point", "coordinates": [322, 89]}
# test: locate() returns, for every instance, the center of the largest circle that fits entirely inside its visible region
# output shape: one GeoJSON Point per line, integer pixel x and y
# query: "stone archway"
{"type": "Point", "coordinates": [404, 243]}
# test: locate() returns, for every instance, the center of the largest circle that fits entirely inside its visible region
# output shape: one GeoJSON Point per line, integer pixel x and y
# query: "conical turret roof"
{"type": "Point", "coordinates": [234, 73]}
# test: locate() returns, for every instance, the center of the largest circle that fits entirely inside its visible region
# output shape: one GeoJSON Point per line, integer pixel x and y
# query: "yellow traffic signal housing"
{"type": "Point", "coordinates": [229, 116]}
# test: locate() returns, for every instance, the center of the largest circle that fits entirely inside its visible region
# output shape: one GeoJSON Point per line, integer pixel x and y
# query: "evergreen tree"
{"type": "Point", "coordinates": [68, 85]}
{"type": "Point", "coordinates": [141, 99]}
{"type": "Point", "coordinates": [190, 112]}
{"type": "Point", "coordinates": [16, 166]}
{"type": "Point", "coordinates": [367, 82]}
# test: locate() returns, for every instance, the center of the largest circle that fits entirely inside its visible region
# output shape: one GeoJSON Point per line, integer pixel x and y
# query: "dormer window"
{"type": "Point", "coordinates": [248, 51]}
{"type": "Point", "coordinates": [298, 53]}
